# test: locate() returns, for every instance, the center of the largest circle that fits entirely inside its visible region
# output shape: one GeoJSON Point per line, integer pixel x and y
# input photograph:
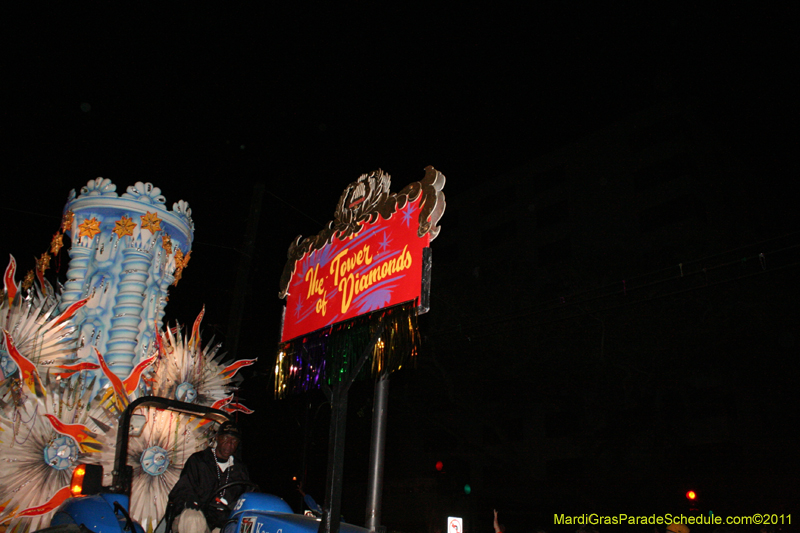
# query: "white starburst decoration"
{"type": "Point", "coordinates": [41, 441]}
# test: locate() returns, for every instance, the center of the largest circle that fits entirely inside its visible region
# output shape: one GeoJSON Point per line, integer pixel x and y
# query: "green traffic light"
{"type": "Point", "coordinates": [467, 489]}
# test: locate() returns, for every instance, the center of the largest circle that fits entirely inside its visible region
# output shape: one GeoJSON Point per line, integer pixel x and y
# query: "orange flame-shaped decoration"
{"type": "Point", "coordinates": [78, 432]}
{"type": "Point", "coordinates": [229, 371]}
{"type": "Point", "coordinates": [57, 499]}
{"type": "Point", "coordinates": [116, 383]}
{"type": "Point", "coordinates": [8, 279]}
{"type": "Point", "coordinates": [27, 370]}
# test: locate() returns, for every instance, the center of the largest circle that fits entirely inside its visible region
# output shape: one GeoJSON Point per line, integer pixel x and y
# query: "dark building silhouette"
{"type": "Point", "coordinates": [618, 313]}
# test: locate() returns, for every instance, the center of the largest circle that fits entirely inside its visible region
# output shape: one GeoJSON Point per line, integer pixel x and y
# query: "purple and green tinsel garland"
{"type": "Point", "coordinates": [327, 355]}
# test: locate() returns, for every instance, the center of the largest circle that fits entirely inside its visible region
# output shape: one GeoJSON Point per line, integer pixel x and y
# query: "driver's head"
{"type": "Point", "coordinates": [228, 437]}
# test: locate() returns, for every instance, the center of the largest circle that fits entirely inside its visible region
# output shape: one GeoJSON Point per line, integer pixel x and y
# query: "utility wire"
{"type": "Point", "coordinates": [629, 290]}
{"type": "Point", "coordinates": [630, 302]}
{"type": "Point", "coordinates": [309, 217]}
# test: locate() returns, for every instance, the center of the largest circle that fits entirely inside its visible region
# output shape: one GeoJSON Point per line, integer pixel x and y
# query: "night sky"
{"type": "Point", "coordinates": [208, 101]}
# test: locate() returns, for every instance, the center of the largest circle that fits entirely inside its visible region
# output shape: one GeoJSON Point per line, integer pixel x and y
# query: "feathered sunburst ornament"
{"type": "Point", "coordinates": [44, 336]}
{"type": "Point", "coordinates": [190, 372]}
{"type": "Point", "coordinates": [42, 416]}
{"type": "Point", "coordinates": [41, 441]}
{"type": "Point", "coordinates": [158, 446]}
{"type": "Point", "coordinates": [157, 456]}
{"type": "Point", "coordinates": [187, 371]}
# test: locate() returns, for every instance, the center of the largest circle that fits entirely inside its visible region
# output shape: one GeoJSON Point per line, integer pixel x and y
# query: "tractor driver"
{"type": "Point", "coordinates": [201, 477]}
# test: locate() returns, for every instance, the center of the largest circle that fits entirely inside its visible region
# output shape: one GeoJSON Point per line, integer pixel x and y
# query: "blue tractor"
{"type": "Point", "coordinates": [105, 510]}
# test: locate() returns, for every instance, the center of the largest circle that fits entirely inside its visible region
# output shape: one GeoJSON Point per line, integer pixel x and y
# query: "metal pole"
{"type": "Point", "coordinates": [333, 490]}
{"type": "Point", "coordinates": [337, 394]}
{"type": "Point", "coordinates": [376, 453]}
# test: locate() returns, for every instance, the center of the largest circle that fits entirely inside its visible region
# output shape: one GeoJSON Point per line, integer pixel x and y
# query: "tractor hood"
{"type": "Point", "coordinates": [265, 513]}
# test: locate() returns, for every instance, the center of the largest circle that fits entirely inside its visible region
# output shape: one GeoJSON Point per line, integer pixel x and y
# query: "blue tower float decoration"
{"type": "Point", "coordinates": [72, 359]}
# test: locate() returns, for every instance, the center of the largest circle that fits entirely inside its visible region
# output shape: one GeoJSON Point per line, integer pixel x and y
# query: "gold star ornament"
{"type": "Point", "coordinates": [28, 281]}
{"type": "Point", "coordinates": [66, 222]}
{"type": "Point", "coordinates": [151, 222]}
{"type": "Point", "coordinates": [57, 243]}
{"type": "Point", "coordinates": [124, 226]}
{"type": "Point", "coordinates": [43, 263]}
{"type": "Point", "coordinates": [166, 242]}
{"type": "Point", "coordinates": [181, 262]}
{"type": "Point", "coordinates": [89, 228]}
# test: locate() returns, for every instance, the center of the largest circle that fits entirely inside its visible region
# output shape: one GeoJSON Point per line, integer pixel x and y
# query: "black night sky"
{"type": "Point", "coordinates": [208, 101]}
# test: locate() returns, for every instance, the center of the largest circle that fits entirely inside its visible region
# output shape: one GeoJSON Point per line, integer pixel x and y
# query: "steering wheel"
{"type": "Point", "coordinates": [213, 504]}
{"type": "Point", "coordinates": [124, 513]}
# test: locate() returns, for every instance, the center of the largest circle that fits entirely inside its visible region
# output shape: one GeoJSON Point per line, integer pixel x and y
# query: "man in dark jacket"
{"type": "Point", "coordinates": [203, 474]}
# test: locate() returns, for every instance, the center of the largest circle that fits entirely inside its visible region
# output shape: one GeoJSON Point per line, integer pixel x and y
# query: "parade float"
{"type": "Point", "coordinates": [73, 356]}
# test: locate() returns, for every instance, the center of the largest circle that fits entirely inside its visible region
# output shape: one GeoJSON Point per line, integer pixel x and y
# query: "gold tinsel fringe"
{"type": "Point", "coordinates": [329, 354]}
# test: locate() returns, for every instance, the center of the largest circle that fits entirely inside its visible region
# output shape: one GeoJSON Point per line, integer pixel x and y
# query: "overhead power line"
{"type": "Point", "coordinates": [682, 278]}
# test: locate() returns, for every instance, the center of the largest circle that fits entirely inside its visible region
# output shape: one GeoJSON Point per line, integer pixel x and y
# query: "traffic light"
{"type": "Point", "coordinates": [691, 497]}
{"type": "Point", "coordinates": [454, 477]}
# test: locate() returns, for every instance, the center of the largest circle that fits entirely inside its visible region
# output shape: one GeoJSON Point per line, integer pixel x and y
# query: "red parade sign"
{"type": "Point", "coordinates": [370, 259]}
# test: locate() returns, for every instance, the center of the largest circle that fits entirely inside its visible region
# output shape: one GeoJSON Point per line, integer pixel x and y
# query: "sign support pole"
{"type": "Point", "coordinates": [376, 453]}
{"type": "Point", "coordinates": [337, 395]}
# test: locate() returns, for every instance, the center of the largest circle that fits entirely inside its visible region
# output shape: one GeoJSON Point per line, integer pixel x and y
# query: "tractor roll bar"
{"type": "Point", "coordinates": [122, 476]}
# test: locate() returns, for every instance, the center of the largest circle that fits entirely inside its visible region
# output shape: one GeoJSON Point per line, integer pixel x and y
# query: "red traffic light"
{"type": "Point", "coordinates": [691, 495]}
{"type": "Point", "coordinates": [439, 466]}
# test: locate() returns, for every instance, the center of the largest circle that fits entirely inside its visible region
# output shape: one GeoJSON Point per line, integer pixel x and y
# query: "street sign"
{"type": "Point", "coordinates": [455, 524]}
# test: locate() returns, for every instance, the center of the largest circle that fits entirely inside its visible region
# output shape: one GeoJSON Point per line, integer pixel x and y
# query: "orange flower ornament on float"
{"type": "Point", "coordinates": [124, 226]}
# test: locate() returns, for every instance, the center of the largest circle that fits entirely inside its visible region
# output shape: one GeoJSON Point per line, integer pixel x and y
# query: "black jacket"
{"type": "Point", "coordinates": [199, 480]}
